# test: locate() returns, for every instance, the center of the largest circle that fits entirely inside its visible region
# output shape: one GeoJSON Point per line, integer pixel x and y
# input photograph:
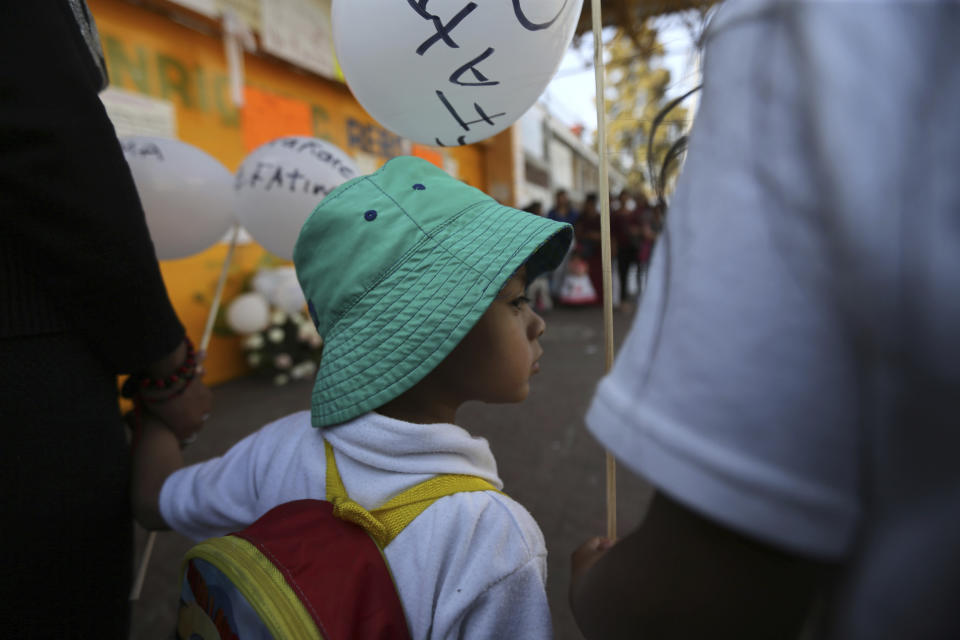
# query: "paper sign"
{"type": "Point", "coordinates": [134, 114]}
{"type": "Point", "coordinates": [451, 166]}
{"type": "Point", "coordinates": [247, 10]}
{"type": "Point", "coordinates": [300, 32]}
{"type": "Point", "coordinates": [366, 162]}
{"type": "Point", "coordinates": [267, 116]}
{"type": "Point", "coordinates": [429, 154]}
{"type": "Point", "coordinates": [205, 7]}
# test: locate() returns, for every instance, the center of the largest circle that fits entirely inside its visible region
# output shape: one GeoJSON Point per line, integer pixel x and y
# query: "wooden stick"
{"type": "Point", "coordinates": [142, 571]}
{"type": "Point", "coordinates": [218, 294]}
{"type": "Point", "coordinates": [605, 253]}
{"type": "Point", "coordinates": [207, 333]}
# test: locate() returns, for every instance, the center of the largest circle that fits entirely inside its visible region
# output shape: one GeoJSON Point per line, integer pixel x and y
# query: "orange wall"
{"type": "Point", "coordinates": [148, 53]}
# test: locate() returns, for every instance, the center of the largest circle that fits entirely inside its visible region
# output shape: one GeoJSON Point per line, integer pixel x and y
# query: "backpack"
{"type": "Point", "coordinates": [307, 569]}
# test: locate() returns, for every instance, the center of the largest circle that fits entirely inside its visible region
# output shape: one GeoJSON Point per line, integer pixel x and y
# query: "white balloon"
{"type": "Point", "coordinates": [283, 275]}
{"type": "Point", "coordinates": [289, 297]}
{"type": "Point", "coordinates": [186, 194]}
{"type": "Point", "coordinates": [280, 184]}
{"type": "Point", "coordinates": [264, 282]}
{"type": "Point", "coordinates": [279, 285]}
{"type": "Point", "coordinates": [450, 73]}
{"type": "Point", "coordinates": [248, 313]}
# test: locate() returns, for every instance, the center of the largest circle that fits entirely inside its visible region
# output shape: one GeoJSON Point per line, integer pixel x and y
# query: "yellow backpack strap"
{"type": "Point", "coordinates": [386, 522]}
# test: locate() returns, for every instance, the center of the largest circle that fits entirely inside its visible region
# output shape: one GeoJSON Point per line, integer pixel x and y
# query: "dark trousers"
{"type": "Point", "coordinates": [67, 535]}
{"type": "Point", "coordinates": [626, 255]}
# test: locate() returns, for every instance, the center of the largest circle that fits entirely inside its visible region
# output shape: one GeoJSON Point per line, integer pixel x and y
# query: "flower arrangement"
{"type": "Point", "coordinates": [286, 349]}
{"type": "Point", "coordinates": [280, 341]}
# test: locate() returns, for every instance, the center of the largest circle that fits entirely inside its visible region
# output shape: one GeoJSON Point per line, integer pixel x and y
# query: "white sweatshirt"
{"type": "Point", "coordinates": [473, 565]}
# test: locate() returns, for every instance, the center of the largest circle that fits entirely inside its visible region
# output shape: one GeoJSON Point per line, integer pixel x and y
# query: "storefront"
{"type": "Point", "coordinates": [170, 77]}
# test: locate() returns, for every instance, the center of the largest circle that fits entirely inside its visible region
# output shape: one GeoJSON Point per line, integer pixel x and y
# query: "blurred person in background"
{"type": "Point", "coordinates": [538, 291]}
{"type": "Point", "coordinates": [651, 224]}
{"type": "Point", "coordinates": [562, 210]}
{"type": "Point", "coordinates": [535, 207]}
{"type": "Point", "coordinates": [588, 234]}
{"type": "Point", "coordinates": [627, 225]}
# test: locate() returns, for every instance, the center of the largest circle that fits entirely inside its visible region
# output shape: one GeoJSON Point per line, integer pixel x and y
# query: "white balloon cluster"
{"type": "Point", "coordinates": [190, 199]}
{"type": "Point", "coordinates": [280, 339]}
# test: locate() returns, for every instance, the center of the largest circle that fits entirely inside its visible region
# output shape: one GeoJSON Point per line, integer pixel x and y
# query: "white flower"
{"type": "Point", "coordinates": [280, 379]}
{"type": "Point", "coordinates": [305, 331]}
{"type": "Point", "coordinates": [253, 342]}
{"type": "Point", "coordinates": [278, 317]}
{"type": "Point", "coordinates": [275, 334]}
{"type": "Point", "coordinates": [282, 361]}
{"type": "Point", "coordinates": [303, 369]}
{"type": "Point", "coordinates": [253, 359]}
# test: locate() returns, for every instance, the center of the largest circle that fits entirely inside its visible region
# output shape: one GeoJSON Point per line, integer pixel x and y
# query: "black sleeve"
{"type": "Point", "coordinates": [71, 223]}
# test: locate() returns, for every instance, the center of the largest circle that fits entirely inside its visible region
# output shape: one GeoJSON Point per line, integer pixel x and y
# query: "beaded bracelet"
{"type": "Point", "coordinates": [137, 383]}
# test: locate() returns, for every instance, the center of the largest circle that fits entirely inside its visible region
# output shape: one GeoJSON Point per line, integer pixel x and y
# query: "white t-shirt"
{"type": "Point", "coordinates": [794, 367]}
{"type": "Point", "coordinates": [473, 565]}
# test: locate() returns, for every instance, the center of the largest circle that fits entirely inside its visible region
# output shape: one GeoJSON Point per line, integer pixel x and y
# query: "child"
{"type": "Point", "coordinates": [416, 283]}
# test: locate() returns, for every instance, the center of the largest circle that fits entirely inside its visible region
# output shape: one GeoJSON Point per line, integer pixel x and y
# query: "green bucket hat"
{"type": "Point", "coordinates": [397, 267]}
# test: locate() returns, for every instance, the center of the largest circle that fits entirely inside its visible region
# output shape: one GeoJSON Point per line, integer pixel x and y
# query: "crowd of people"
{"type": "Point", "coordinates": [635, 224]}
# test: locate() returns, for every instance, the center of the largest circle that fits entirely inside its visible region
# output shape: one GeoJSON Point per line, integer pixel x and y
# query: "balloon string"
{"type": "Point", "coordinates": [605, 253]}
{"type": "Point", "coordinates": [207, 333]}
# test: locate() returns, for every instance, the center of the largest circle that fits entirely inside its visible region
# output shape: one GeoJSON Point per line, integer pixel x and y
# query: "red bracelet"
{"type": "Point", "coordinates": [137, 383]}
{"type": "Point", "coordinates": [162, 399]}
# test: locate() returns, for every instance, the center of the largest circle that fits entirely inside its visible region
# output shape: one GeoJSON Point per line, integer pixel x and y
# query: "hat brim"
{"type": "Point", "coordinates": [415, 314]}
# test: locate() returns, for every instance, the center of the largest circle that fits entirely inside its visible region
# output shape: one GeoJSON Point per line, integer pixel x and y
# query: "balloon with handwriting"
{"type": "Point", "coordinates": [187, 195]}
{"type": "Point", "coordinates": [450, 73]}
{"type": "Point", "coordinates": [280, 184]}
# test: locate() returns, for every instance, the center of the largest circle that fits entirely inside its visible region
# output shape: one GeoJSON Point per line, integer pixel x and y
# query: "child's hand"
{"type": "Point", "coordinates": [186, 414]}
{"type": "Point", "coordinates": [581, 560]}
{"type": "Point", "coordinates": [156, 454]}
{"type": "Point", "coordinates": [586, 555]}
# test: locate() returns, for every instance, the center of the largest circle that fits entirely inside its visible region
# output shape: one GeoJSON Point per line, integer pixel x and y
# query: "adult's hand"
{"type": "Point", "coordinates": [184, 408]}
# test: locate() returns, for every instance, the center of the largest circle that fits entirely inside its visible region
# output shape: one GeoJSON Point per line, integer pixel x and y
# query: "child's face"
{"type": "Point", "coordinates": [494, 362]}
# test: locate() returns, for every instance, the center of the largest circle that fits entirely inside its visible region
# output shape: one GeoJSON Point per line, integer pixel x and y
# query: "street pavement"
{"type": "Point", "coordinates": [545, 456]}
